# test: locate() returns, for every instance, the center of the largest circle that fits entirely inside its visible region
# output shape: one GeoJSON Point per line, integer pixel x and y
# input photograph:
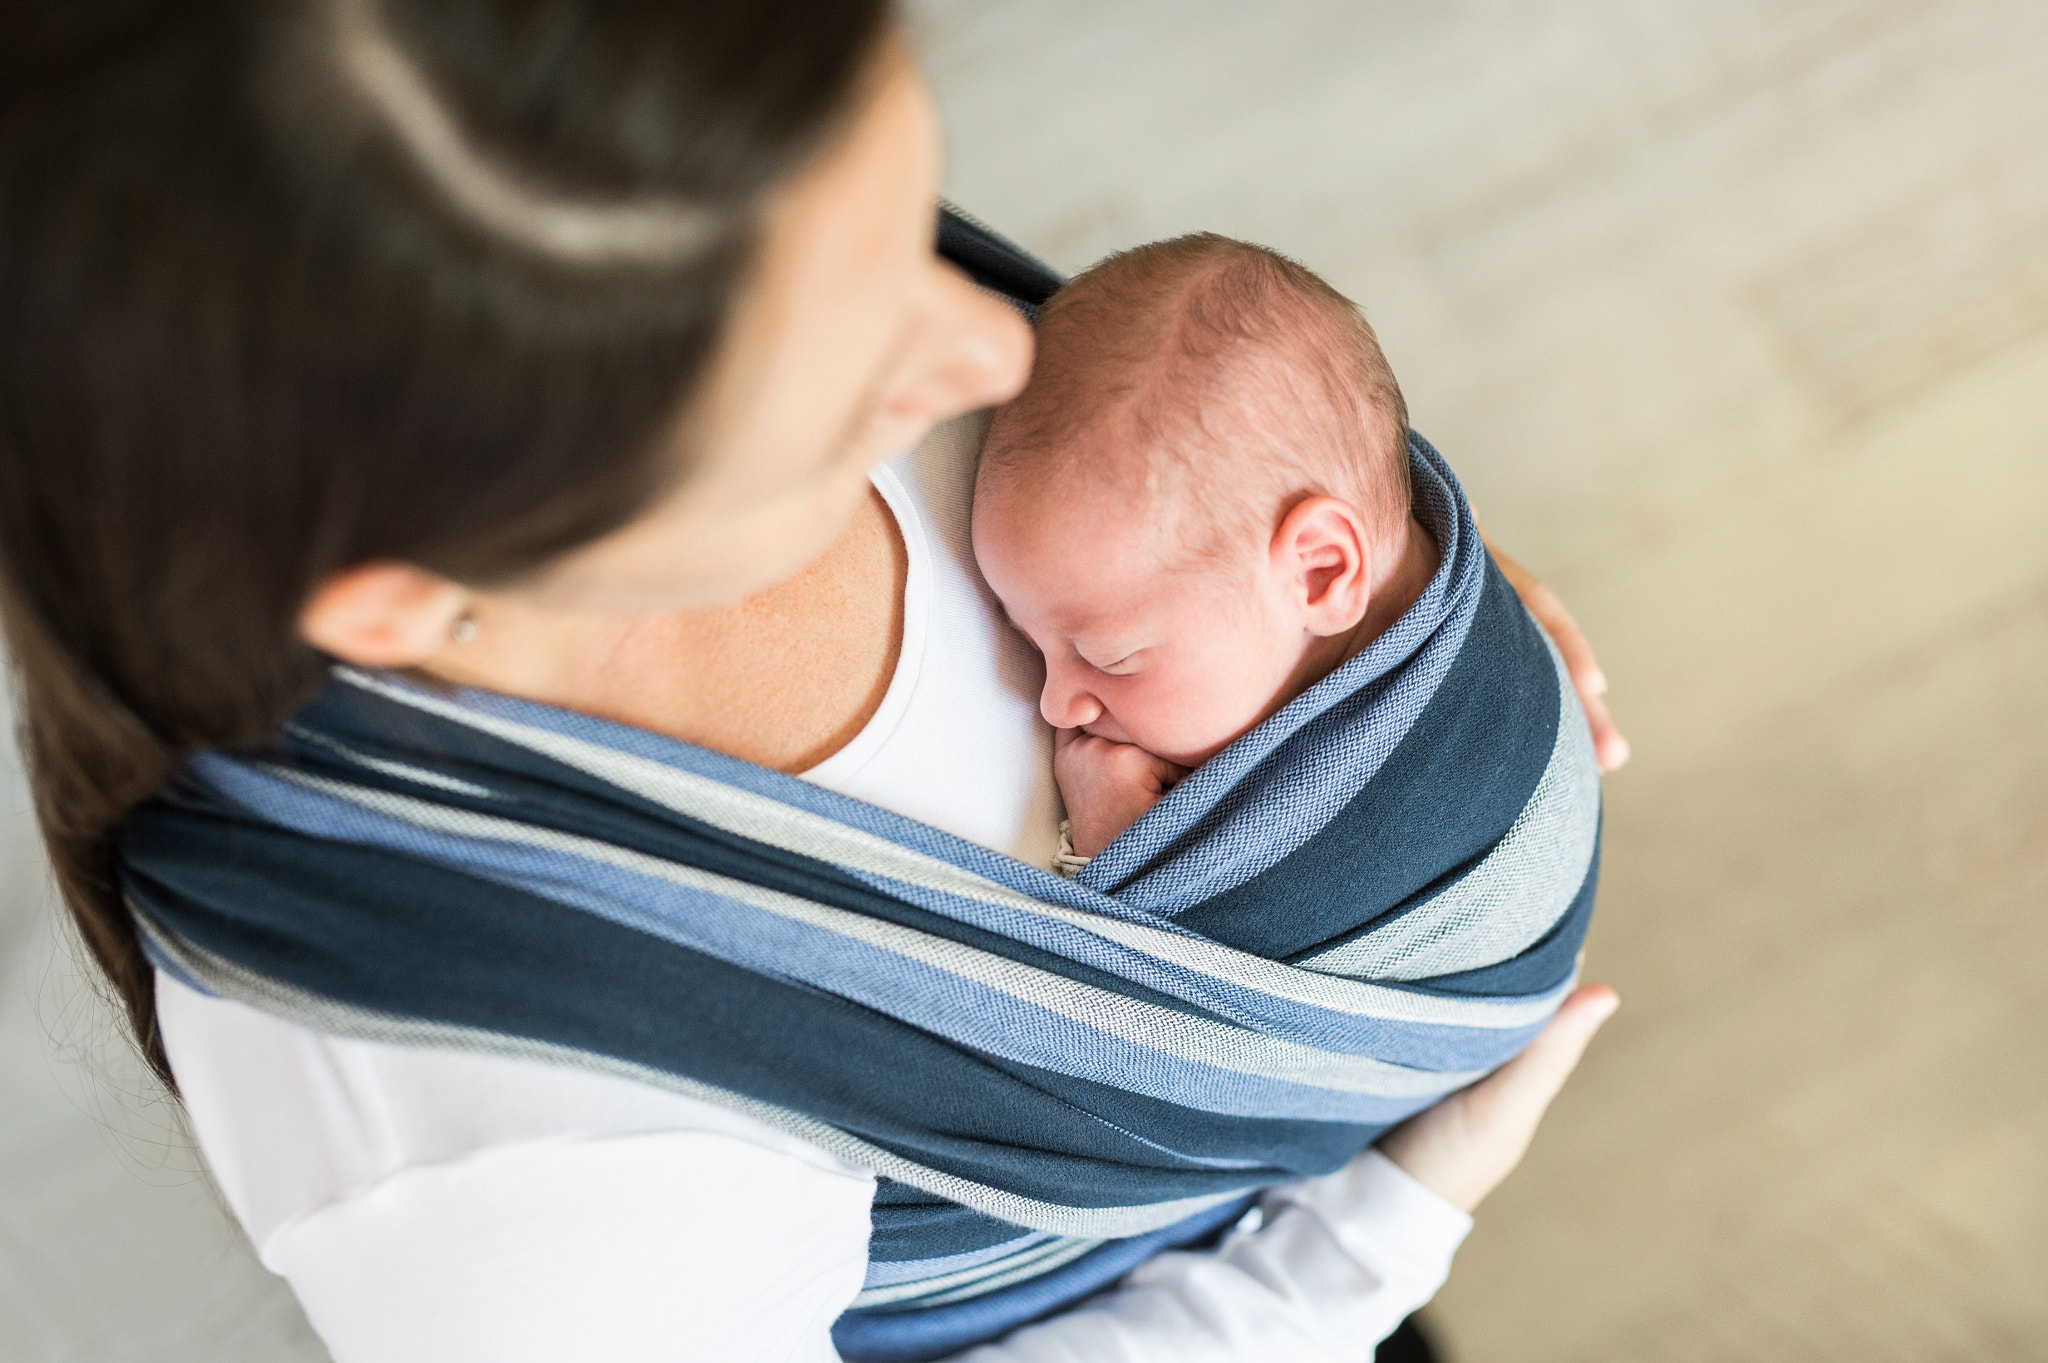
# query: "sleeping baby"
{"type": "Point", "coordinates": [1265, 613]}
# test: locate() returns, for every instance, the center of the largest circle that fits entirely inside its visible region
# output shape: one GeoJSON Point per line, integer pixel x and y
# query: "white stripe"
{"type": "Point", "coordinates": [405, 771]}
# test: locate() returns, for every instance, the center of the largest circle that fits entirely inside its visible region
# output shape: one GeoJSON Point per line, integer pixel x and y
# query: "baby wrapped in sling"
{"type": "Point", "coordinates": [1208, 515]}
{"type": "Point", "coordinates": [1334, 832]}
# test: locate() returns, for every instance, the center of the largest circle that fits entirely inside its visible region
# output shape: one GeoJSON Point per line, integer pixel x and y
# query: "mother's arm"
{"type": "Point", "coordinates": [1340, 1260]}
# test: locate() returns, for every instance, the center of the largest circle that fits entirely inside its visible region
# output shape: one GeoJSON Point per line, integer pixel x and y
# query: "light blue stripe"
{"type": "Point", "coordinates": [922, 994]}
{"type": "Point", "coordinates": [1360, 1030]}
{"type": "Point", "coordinates": [1466, 1028]}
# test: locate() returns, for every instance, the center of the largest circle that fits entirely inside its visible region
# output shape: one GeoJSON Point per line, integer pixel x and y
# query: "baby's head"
{"type": "Point", "coordinates": [1191, 506]}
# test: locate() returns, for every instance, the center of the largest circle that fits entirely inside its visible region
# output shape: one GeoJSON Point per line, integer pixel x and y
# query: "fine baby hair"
{"type": "Point", "coordinates": [1201, 363]}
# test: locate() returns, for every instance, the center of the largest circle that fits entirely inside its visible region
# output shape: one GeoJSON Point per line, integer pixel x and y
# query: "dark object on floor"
{"type": "Point", "coordinates": [1406, 1345]}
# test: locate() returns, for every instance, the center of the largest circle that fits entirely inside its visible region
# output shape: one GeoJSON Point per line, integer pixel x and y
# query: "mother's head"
{"type": "Point", "coordinates": [317, 320]}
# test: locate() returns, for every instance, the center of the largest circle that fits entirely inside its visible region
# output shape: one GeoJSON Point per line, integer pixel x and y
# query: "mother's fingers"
{"type": "Point", "coordinates": [1464, 1146]}
{"type": "Point", "coordinates": [1609, 747]}
{"type": "Point", "coordinates": [1525, 1085]}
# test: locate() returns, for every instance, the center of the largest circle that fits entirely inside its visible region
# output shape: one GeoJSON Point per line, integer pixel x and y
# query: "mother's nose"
{"type": "Point", "coordinates": [1064, 702]}
{"type": "Point", "coordinates": [970, 349]}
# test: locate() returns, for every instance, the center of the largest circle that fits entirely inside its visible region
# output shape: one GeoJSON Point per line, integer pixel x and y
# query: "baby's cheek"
{"type": "Point", "coordinates": [1189, 715]}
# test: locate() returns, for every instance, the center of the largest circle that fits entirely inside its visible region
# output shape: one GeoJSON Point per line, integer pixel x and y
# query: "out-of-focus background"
{"type": "Point", "coordinates": [1734, 317]}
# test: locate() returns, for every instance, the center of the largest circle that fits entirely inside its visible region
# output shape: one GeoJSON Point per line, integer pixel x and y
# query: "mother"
{"type": "Point", "coordinates": [549, 349]}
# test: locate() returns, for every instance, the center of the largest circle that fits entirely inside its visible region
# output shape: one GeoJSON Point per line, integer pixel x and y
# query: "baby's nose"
{"type": "Point", "coordinates": [1066, 706]}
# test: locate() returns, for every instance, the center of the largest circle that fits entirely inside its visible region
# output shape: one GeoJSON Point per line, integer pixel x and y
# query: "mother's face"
{"type": "Point", "coordinates": [850, 342]}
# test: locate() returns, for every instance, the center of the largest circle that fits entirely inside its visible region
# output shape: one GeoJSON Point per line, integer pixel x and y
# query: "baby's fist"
{"type": "Point", "coordinates": [1107, 786]}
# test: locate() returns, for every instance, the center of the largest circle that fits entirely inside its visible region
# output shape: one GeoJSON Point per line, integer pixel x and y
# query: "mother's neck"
{"type": "Point", "coordinates": [785, 678]}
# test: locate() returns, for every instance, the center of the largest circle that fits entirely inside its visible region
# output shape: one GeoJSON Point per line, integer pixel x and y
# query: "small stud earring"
{"type": "Point", "coordinates": [464, 628]}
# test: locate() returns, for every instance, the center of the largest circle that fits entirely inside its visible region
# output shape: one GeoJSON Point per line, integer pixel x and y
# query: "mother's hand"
{"type": "Point", "coordinates": [1464, 1146]}
{"type": "Point", "coordinates": [1609, 747]}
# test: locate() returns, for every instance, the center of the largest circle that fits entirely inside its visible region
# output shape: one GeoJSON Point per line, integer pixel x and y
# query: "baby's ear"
{"type": "Point", "coordinates": [1322, 555]}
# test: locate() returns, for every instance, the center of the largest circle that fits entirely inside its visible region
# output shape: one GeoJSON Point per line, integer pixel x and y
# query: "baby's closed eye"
{"type": "Point", "coordinates": [1121, 666]}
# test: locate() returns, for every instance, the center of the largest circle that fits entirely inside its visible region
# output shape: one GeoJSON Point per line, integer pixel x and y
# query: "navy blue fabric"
{"type": "Point", "coordinates": [910, 1224]}
{"type": "Point", "coordinates": [994, 261]}
{"type": "Point", "coordinates": [431, 943]}
{"type": "Point", "coordinates": [1438, 804]}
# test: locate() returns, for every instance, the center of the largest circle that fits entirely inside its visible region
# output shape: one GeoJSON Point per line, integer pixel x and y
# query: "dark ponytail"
{"type": "Point", "coordinates": [288, 287]}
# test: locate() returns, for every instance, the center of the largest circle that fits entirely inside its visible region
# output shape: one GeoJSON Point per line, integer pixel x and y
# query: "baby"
{"type": "Point", "coordinates": [1198, 508]}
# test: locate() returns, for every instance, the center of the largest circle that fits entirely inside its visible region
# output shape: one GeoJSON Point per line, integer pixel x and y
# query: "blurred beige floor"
{"type": "Point", "coordinates": [1734, 317]}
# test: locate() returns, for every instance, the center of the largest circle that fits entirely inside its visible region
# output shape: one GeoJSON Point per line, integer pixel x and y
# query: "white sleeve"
{"type": "Point", "coordinates": [628, 1249]}
{"type": "Point", "coordinates": [687, 1245]}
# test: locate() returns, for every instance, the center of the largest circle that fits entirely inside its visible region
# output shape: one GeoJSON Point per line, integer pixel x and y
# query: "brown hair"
{"type": "Point", "coordinates": [1172, 345]}
{"type": "Point", "coordinates": [288, 287]}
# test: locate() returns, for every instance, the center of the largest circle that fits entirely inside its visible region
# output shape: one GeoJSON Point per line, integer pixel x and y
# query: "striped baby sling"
{"type": "Point", "coordinates": [1366, 902]}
